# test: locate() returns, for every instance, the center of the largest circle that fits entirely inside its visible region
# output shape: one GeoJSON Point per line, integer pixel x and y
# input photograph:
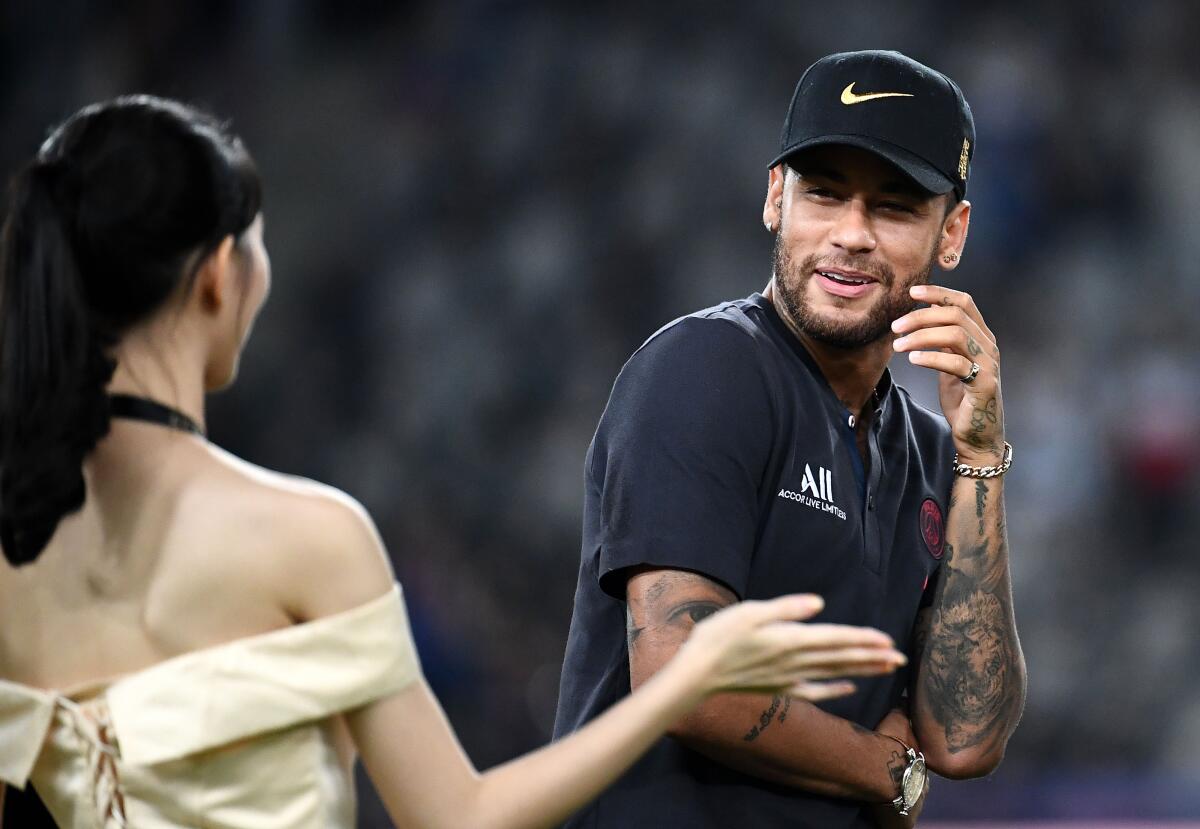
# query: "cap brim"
{"type": "Point", "coordinates": [913, 166]}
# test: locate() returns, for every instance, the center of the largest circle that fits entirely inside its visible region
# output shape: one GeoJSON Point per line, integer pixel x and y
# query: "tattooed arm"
{"type": "Point", "coordinates": [773, 737]}
{"type": "Point", "coordinates": [969, 684]}
{"type": "Point", "coordinates": [968, 688]}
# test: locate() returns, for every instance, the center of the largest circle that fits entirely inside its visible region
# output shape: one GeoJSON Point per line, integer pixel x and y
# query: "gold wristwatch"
{"type": "Point", "coordinates": [912, 784]}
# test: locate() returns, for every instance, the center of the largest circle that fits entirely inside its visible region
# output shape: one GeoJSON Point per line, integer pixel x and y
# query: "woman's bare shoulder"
{"type": "Point", "coordinates": [313, 542]}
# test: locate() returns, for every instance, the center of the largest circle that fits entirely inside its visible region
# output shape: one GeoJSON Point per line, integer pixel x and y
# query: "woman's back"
{"type": "Point", "coordinates": [171, 643]}
{"type": "Point", "coordinates": [143, 572]}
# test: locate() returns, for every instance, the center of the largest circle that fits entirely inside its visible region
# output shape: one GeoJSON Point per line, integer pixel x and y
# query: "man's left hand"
{"type": "Point", "coordinates": [951, 337]}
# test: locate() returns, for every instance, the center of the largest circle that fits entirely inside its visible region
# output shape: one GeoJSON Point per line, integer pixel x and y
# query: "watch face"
{"type": "Point", "coordinates": [914, 782]}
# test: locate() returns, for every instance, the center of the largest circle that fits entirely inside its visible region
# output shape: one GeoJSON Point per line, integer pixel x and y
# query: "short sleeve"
{"type": "Point", "coordinates": [679, 455]}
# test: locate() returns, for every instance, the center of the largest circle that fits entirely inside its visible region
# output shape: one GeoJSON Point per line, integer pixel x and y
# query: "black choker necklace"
{"type": "Point", "coordinates": [141, 408]}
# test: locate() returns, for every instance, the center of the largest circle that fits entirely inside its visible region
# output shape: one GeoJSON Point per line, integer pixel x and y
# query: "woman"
{"type": "Point", "coordinates": [185, 637]}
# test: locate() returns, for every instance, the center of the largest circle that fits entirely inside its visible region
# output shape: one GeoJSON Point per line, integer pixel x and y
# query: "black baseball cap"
{"type": "Point", "coordinates": [887, 103]}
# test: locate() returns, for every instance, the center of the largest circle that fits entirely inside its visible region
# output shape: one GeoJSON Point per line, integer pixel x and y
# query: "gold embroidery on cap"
{"type": "Point", "coordinates": [962, 160]}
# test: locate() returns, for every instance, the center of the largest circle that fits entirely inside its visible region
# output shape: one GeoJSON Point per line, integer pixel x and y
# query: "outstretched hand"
{"type": "Point", "coordinates": [951, 337]}
{"type": "Point", "coordinates": [760, 646]}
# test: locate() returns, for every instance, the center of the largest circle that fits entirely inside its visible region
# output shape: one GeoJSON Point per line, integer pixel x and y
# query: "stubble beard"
{"type": "Point", "coordinates": [791, 283]}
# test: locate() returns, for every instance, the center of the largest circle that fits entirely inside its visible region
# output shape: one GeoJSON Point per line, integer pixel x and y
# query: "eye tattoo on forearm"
{"type": "Point", "coordinates": [696, 612]}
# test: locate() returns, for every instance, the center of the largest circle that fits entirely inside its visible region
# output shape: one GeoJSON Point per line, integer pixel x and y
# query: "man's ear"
{"type": "Point", "coordinates": [773, 206]}
{"type": "Point", "coordinates": [211, 287]}
{"type": "Point", "coordinates": [954, 236]}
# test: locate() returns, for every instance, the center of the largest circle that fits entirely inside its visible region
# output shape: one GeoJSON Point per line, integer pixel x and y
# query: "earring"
{"type": "Point", "coordinates": [950, 258]}
{"type": "Point", "coordinates": [779, 207]}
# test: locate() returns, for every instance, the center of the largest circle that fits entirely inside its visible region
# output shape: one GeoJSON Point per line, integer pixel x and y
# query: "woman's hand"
{"type": "Point", "coordinates": [760, 646]}
{"type": "Point", "coordinates": [426, 779]}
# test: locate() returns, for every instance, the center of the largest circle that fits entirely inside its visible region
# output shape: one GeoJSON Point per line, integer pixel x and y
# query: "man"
{"type": "Point", "coordinates": [760, 447]}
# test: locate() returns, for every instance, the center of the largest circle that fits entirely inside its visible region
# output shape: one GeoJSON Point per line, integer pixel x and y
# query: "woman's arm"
{"type": "Point", "coordinates": [335, 561]}
{"type": "Point", "coordinates": [426, 780]}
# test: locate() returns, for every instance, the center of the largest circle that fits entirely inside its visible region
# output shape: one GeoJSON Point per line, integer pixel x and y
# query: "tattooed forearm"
{"type": "Point", "coordinates": [969, 665]}
{"type": "Point", "coordinates": [971, 674]}
{"type": "Point", "coordinates": [670, 605]}
{"type": "Point", "coordinates": [671, 602]}
{"type": "Point", "coordinates": [661, 608]}
{"type": "Point", "coordinates": [767, 716]}
{"type": "Point", "coordinates": [980, 503]}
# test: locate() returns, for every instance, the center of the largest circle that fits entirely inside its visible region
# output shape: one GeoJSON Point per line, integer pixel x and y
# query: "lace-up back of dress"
{"type": "Point", "coordinates": [89, 725]}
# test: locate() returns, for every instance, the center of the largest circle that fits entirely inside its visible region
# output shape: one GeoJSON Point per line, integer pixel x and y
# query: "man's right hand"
{"type": "Point", "coordinates": [886, 816]}
{"type": "Point", "coordinates": [772, 737]}
{"type": "Point", "coordinates": [897, 725]}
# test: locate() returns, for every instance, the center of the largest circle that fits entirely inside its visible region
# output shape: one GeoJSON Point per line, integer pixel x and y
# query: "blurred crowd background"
{"type": "Point", "coordinates": [477, 210]}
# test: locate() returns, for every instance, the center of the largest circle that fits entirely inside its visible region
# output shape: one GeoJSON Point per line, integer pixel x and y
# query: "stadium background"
{"type": "Point", "coordinates": [477, 210]}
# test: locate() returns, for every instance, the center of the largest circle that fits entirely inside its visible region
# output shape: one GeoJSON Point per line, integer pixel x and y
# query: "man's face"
{"type": "Point", "coordinates": [855, 234]}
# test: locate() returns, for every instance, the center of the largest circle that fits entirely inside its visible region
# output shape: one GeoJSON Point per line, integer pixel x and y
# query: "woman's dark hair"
{"type": "Point", "coordinates": [100, 228]}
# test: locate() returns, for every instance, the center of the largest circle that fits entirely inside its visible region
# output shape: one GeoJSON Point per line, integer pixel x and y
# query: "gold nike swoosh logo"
{"type": "Point", "coordinates": [848, 96]}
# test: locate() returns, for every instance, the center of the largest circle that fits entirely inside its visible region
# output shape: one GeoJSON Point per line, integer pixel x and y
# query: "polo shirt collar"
{"type": "Point", "coordinates": [883, 388]}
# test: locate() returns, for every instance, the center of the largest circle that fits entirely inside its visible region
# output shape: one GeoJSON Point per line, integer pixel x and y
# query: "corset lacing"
{"type": "Point", "coordinates": [92, 725]}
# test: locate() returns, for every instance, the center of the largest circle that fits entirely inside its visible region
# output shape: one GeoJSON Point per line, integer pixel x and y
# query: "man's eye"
{"type": "Point", "coordinates": [821, 193]}
{"type": "Point", "coordinates": [896, 207]}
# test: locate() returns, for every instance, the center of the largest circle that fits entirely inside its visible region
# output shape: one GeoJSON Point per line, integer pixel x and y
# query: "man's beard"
{"type": "Point", "coordinates": [792, 282]}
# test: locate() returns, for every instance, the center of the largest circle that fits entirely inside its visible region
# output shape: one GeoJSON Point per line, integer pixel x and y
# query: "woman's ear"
{"type": "Point", "coordinates": [212, 284]}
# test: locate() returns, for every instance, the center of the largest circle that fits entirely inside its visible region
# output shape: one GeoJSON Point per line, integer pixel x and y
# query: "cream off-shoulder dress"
{"type": "Point", "coordinates": [236, 736]}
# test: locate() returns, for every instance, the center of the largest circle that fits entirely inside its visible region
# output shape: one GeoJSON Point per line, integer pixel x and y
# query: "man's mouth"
{"type": "Point", "coordinates": [845, 283]}
{"type": "Point", "coordinates": [847, 278]}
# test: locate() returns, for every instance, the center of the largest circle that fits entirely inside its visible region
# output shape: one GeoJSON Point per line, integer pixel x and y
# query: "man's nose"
{"type": "Point", "coordinates": [852, 231]}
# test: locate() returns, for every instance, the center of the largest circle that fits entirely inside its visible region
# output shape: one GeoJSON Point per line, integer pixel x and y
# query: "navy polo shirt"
{"type": "Point", "coordinates": [724, 451]}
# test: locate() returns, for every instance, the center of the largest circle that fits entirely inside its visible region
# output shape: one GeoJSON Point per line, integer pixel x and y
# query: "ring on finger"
{"type": "Point", "coordinates": [972, 374]}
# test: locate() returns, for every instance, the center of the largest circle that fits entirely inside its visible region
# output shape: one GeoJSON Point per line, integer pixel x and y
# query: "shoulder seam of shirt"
{"type": "Point", "coordinates": [705, 315]}
{"type": "Point", "coordinates": [709, 315]}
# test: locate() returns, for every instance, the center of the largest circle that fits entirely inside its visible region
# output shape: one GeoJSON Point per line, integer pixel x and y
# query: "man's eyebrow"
{"type": "Point", "coordinates": [893, 187]}
{"type": "Point", "coordinates": [901, 187]}
{"type": "Point", "coordinates": [821, 172]}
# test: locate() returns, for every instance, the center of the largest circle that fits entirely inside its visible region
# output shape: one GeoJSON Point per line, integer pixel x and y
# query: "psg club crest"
{"type": "Point", "coordinates": [931, 528]}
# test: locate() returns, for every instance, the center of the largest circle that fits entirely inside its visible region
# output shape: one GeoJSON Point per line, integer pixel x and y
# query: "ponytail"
{"type": "Point", "coordinates": [99, 227]}
{"type": "Point", "coordinates": [53, 370]}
